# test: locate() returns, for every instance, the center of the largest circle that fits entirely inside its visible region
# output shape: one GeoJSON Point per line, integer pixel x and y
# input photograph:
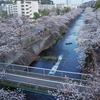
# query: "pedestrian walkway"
{"type": "Point", "coordinates": [36, 80]}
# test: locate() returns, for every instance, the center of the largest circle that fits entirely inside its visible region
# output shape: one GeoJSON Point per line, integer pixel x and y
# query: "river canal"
{"type": "Point", "coordinates": [68, 59]}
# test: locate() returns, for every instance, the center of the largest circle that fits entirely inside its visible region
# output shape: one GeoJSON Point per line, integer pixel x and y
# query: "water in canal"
{"type": "Point", "coordinates": [66, 54]}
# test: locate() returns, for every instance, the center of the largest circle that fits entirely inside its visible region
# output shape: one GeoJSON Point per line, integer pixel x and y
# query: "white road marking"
{"type": "Point", "coordinates": [54, 68]}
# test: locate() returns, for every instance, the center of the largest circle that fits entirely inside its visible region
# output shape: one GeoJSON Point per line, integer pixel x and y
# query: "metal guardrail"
{"type": "Point", "coordinates": [43, 71]}
{"type": "Point", "coordinates": [28, 80]}
{"type": "Point", "coordinates": [39, 82]}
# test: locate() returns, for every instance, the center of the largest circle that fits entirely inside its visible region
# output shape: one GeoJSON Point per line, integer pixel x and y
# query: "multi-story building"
{"type": "Point", "coordinates": [27, 8]}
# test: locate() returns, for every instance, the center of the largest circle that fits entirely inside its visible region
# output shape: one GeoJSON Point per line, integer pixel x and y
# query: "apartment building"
{"type": "Point", "coordinates": [26, 8]}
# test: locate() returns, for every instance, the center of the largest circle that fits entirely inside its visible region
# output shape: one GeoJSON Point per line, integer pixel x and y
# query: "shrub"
{"type": "Point", "coordinates": [36, 15]}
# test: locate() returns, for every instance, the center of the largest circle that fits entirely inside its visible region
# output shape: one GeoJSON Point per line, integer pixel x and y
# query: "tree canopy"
{"type": "Point", "coordinates": [90, 38]}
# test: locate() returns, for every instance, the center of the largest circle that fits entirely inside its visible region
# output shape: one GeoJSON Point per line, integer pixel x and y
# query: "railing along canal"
{"type": "Point", "coordinates": [44, 71]}
{"type": "Point", "coordinates": [38, 82]}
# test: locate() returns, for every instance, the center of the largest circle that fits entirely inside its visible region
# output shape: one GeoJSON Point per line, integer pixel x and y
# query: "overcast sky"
{"type": "Point", "coordinates": [78, 2]}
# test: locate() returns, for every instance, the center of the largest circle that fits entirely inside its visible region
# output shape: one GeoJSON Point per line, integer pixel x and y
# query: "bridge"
{"type": "Point", "coordinates": [39, 78]}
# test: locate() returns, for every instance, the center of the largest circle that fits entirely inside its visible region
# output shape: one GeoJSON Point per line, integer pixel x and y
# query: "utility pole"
{"type": "Point", "coordinates": [67, 2]}
{"type": "Point", "coordinates": [82, 1]}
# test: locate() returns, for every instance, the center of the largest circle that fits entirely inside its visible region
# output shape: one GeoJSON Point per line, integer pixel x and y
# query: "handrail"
{"type": "Point", "coordinates": [25, 78]}
{"type": "Point", "coordinates": [43, 80]}
{"type": "Point", "coordinates": [46, 69]}
{"type": "Point", "coordinates": [54, 76]}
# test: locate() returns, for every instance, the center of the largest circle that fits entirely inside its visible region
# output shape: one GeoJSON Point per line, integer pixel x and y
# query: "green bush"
{"type": "Point", "coordinates": [45, 14]}
{"type": "Point", "coordinates": [60, 37]}
{"type": "Point", "coordinates": [66, 10]}
{"type": "Point", "coordinates": [36, 15]}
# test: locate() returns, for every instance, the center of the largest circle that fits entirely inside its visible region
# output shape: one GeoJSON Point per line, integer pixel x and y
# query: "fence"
{"type": "Point", "coordinates": [44, 83]}
{"type": "Point", "coordinates": [44, 71]}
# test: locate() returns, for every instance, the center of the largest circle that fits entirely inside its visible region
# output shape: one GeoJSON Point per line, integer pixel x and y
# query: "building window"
{"type": "Point", "coordinates": [22, 5]}
{"type": "Point", "coordinates": [22, 8]}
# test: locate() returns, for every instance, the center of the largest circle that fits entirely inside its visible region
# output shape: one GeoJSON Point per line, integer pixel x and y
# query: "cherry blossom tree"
{"type": "Point", "coordinates": [79, 90]}
{"type": "Point", "coordinates": [17, 94]}
{"type": "Point", "coordinates": [15, 32]}
{"type": "Point", "coordinates": [11, 95]}
{"type": "Point", "coordinates": [54, 23]}
{"type": "Point", "coordinates": [90, 38]}
{"type": "Point", "coordinates": [2, 73]}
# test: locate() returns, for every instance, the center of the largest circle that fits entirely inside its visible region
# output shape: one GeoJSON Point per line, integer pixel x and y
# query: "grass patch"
{"type": "Point", "coordinates": [25, 88]}
{"type": "Point", "coordinates": [49, 58]}
{"type": "Point", "coordinates": [60, 37]}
